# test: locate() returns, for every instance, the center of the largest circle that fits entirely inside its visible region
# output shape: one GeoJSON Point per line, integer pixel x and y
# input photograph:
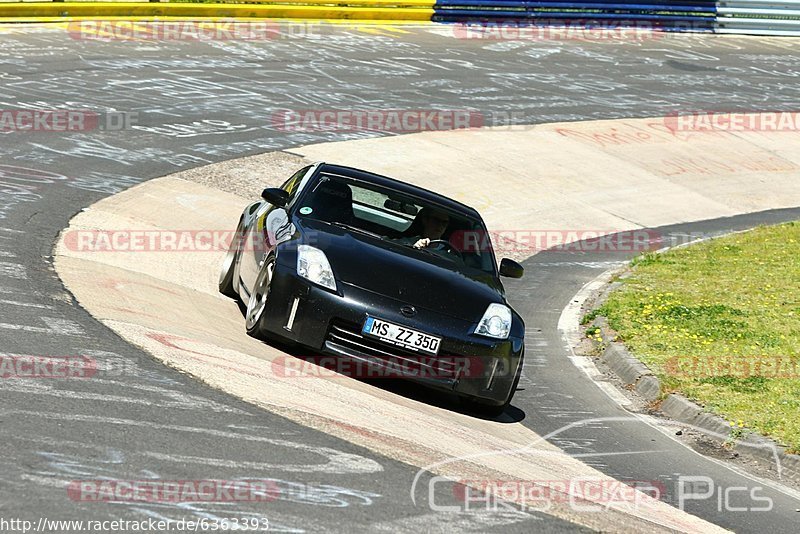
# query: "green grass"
{"type": "Point", "coordinates": [713, 320]}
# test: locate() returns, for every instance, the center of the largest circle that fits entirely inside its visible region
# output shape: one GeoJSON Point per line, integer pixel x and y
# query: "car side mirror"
{"type": "Point", "coordinates": [511, 269]}
{"type": "Point", "coordinates": [275, 196]}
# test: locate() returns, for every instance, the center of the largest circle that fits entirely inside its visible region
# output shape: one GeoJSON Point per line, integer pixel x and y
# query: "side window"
{"type": "Point", "coordinates": [291, 185]}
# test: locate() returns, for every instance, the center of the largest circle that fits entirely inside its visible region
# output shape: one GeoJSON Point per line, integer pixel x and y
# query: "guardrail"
{"type": "Point", "coordinates": [759, 17]}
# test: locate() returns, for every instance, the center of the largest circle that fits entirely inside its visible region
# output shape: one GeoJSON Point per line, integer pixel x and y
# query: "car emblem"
{"type": "Point", "coordinates": [408, 311]}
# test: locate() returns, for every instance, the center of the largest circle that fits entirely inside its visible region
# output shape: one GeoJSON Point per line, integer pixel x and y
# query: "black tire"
{"type": "Point", "coordinates": [228, 269]}
{"type": "Point", "coordinates": [259, 301]}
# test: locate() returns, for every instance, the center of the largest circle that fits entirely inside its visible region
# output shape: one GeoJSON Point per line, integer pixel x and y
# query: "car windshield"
{"type": "Point", "coordinates": [400, 219]}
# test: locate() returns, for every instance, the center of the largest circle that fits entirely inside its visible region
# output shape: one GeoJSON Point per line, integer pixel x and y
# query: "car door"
{"type": "Point", "coordinates": [266, 229]}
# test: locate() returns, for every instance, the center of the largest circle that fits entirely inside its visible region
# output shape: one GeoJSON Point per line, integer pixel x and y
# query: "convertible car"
{"type": "Point", "coordinates": [368, 269]}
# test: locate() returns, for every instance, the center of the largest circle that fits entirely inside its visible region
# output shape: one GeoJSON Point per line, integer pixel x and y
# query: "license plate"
{"type": "Point", "coordinates": [401, 336]}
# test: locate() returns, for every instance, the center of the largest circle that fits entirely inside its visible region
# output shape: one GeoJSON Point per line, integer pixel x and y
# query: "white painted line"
{"type": "Point", "coordinates": [569, 321]}
{"type": "Point", "coordinates": [339, 462]}
{"type": "Point", "coordinates": [33, 387]}
{"type": "Point", "coordinates": [13, 270]}
{"type": "Point", "coordinates": [587, 366]}
{"type": "Point", "coordinates": [25, 304]}
{"type": "Point", "coordinates": [62, 327]}
{"type": "Point", "coordinates": [569, 326]}
{"type": "Point", "coordinates": [611, 390]}
{"type": "Point", "coordinates": [667, 428]}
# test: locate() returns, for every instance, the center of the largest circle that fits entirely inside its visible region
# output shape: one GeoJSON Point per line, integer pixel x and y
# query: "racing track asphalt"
{"type": "Point", "coordinates": [205, 102]}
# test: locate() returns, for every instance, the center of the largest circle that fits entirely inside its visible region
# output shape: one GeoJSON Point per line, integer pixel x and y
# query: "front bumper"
{"type": "Point", "coordinates": [330, 323]}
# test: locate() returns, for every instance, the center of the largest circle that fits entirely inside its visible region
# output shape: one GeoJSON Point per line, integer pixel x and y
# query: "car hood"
{"type": "Point", "coordinates": [399, 272]}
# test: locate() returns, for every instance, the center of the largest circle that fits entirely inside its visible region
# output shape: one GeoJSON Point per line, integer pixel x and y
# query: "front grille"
{"type": "Point", "coordinates": [348, 335]}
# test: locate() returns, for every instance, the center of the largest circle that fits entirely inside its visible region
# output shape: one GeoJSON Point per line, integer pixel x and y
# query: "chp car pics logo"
{"type": "Point", "coordinates": [586, 493]}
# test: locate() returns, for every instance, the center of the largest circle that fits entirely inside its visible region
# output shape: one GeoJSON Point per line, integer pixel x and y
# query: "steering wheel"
{"type": "Point", "coordinates": [447, 246]}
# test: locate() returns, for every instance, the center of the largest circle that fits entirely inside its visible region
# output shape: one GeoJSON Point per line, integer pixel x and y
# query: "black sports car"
{"type": "Point", "coordinates": [372, 270]}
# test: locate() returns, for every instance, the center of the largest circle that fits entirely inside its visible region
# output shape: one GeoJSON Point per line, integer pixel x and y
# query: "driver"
{"type": "Point", "coordinates": [433, 226]}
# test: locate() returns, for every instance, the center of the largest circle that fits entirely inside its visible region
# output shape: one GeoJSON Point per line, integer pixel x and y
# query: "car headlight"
{"type": "Point", "coordinates": [496, 322]}
{"type": "Point", "coordinates": [312, 264]}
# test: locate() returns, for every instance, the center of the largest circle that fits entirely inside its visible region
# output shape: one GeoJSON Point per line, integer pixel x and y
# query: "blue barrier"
{"type": "Point", "coordinates": [696, 15]}
{"type": "Point", "coordinates": [512, 15]}
{"type": "Point", "coordinates": [758, 17]}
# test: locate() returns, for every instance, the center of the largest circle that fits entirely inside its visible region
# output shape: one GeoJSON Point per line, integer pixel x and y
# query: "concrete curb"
{"type": "Point", "coordinates": [628, 368]}
{"type": "Point", "coordinates": [640, 378]}
{"type": "Point", "coordinates": [382, 10]}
